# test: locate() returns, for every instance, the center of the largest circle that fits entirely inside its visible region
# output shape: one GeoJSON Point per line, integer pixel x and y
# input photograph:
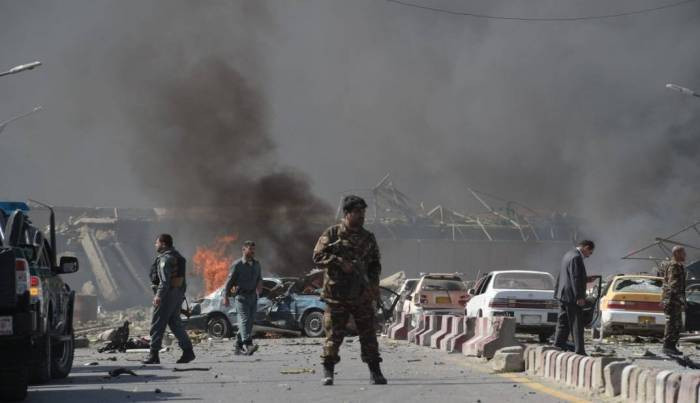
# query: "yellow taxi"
{"type": "Point", "coordinates": [631, 304]}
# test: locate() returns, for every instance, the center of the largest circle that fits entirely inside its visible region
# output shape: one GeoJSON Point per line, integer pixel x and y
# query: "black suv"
{"type": "Point", "coordinates": [36, 306]}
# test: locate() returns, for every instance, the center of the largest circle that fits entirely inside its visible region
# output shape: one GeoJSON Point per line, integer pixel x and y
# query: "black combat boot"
{"type": "Point", "coordinates": [375, 374]}
{"type": "Point", "coordinates": [250, 349]}
{"type": "Point", "coordinates": [152, 358]}
{"type": "Point", "coordinates": [328, 374]}
{"type": "Point", "coordinates": [187, 356]}
{"type": "Point", "coordinates": [671, 350]}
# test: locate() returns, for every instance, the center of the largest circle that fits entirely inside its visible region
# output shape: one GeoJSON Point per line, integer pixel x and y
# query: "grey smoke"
{"type": "Point", "coordinates": [565, 116]}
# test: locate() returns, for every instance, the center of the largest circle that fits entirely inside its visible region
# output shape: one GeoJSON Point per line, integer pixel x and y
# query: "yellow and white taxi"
{"type": "Point", "coordinates": [631, 304]}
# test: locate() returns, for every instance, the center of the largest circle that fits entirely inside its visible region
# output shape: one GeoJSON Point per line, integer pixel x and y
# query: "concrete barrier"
{"type": "Point", "coordinates": [646, 385]}
{"type": "Point", "coordinates": [420, 327]}
{"type": "Point", "coordinates": [660, 388]}
{"type": "Point", "coordinates": [490, 335]}
{"type": "Point", "coordinates": [529, 357]}
{"type": "Point", "coordinates": [445, 329]}
{"type": "Point", "coordinates": [585, 374]}
{"type": "Point", "coordinates": [550, 363]}
{"type": "Point", "coordinates": [433, 327]}
{"type": "Point", "coordinates": [399, 331]}
{"type": "Point", "coordinates": [456, 326]}
{"type": "Point", "coordinates": [467, 326]}
{"type": "Point", "coordinates": [612, 374]}
{"type": "Point", "coordinates": [672, 388]}
{"type": "Point", "coordinates": [629, 374]}
{"type": "Point", "coordinates": [572, 371]}
{"type": "Point", "coordinates": [598, 375]}
{"type": "Point", "coordinates": [559, 373]}
{"type": "Point", "coordinates": [688, 391]}
{"type": "Point", "coordinates": [541, 359]}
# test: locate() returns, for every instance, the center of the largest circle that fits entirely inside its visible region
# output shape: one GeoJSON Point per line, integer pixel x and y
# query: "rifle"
{"type": "Point", "coordinates": [337, 249]}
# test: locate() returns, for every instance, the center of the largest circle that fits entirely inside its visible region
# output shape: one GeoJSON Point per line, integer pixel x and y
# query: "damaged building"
{"type": "Point", "coordinates": [115, 245]}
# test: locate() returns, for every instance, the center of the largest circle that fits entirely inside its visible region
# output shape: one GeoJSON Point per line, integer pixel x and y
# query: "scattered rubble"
{"type": "Point", "coordinates": [508, 359]}
{"type": "Point", "coordinates": [296, 371]}
{"type": "Point", "coordinates": [121, 371]}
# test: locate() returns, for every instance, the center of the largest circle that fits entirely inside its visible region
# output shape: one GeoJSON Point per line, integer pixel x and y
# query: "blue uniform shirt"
{"type": "Point", "coordinates": [244, 275]}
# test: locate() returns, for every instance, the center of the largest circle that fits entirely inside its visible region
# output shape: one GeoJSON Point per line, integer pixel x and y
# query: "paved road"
{"type": "Point", "coordinates": [415, 375]}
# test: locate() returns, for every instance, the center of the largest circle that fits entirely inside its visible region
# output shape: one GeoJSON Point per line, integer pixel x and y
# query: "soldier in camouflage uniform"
{"type": "Point", "coordinates": [674, 300]}
{"type": "Point", "coordinates": [350, 256]}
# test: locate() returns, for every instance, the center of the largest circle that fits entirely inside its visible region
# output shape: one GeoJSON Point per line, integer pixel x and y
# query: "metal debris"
{"type": "Point", "coordinates": [121, 371]}
{"type": "Point", "coordinates": [295, 371]}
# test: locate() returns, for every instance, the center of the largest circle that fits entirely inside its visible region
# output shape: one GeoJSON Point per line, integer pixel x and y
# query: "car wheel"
{"type": "Point", "coordinates": [42, 371]}
{"type": "Point", "coordinates": [62, 360]}
{"type": "Point", "coordinates": [313, 324]}
{"type": "Point", "coordinates": [218, 327]}
{"type": "Point", "coordinates": [13, 384]}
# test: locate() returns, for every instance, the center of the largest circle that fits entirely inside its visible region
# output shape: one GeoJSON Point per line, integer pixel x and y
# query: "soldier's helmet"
{"type": "Point", "coordinates": [352, 202]}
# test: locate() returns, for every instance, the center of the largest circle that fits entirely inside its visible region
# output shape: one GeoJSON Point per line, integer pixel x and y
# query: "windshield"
{"type": "Point", "coordinates": [441, 284]}
{"type": "Point", "coordinates": [693, 296]}
{"type": "Point", "coordinates": [523, 281]}
{"type": "Point", "coordinates": [646, 285]}
{"type": "Point", "coordinates": [410, 285]}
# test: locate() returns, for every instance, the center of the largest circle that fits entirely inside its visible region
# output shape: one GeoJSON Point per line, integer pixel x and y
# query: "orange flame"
{"type": "Point", "coordinates": [212, 262]}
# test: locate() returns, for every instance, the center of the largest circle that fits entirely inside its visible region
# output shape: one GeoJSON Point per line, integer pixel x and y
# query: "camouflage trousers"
{"type": "Point", "coordinates": [335, 321]}
{"type": "Point", "coordinates": [674, 323]}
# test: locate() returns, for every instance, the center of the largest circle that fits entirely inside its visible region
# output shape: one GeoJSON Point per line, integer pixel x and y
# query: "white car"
{"type": "Point", "coordinates": [438, 294]}
{"type": "Point", "coordinates": [404, 291]}
{"type": "Point", "coordinates": [526, 295]}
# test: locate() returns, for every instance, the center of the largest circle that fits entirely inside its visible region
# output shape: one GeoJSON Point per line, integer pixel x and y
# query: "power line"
{"type": "Point", "coordinates": [581, 18]}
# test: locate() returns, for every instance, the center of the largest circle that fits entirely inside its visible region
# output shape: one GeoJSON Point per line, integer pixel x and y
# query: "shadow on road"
{"type": "Point", "coordinates": [100, 374]}
{"type": "Point", "coordinates": [100, 395]}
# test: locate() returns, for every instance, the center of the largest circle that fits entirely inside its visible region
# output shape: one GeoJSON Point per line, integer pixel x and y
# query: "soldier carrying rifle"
{"type": "Point", "coordinates": [350, 257]}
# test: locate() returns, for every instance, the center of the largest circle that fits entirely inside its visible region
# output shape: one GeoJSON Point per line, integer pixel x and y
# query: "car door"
{"type": "Point", "coordinates": [476, 303]}
{"type": "Point", "coordinates": [53, 288]}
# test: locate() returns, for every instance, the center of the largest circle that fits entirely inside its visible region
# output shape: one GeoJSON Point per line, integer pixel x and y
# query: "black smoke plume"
{"type": "Point", "coordinates": [204, 146]}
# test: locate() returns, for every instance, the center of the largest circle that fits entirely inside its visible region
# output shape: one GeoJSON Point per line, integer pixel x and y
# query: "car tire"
{"type": "Point", "coordinates": [13, 384]}
{"type": "Point", "coordinates": [313, 324]}
{"type": "Point", "coordinates": [42, 371]}
{"type": "Point", "coordinates": [218, 326]}
{"type": "Point", "coordinates": [62, 360]}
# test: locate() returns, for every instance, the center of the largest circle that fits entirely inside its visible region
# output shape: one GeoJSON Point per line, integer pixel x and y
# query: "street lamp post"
{"type": "Point", "coordinates": [20, 68]}
{"type": "Point", "coordinates": [12, 119]}
{"type": "Point", "coordinates": [682, 90]}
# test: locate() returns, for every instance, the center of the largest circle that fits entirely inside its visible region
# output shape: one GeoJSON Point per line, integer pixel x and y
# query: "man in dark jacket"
{"type": "Point", "coordinates": [168, 277]}
{"type": "Point", "coordinates": [570, 290]}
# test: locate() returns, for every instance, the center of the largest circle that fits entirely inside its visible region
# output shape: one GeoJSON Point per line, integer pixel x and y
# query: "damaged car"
{"type": "Point", "coordinates": [287, 305]}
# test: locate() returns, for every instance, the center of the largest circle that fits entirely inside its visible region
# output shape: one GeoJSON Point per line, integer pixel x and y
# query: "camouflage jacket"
{"type": "Point", "coordinates": [339, 244]}
{"type": "Point", "coordinates": [674, 283]}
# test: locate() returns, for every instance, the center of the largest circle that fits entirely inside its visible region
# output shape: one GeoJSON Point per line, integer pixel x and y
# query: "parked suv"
{"type": "Point", "coordinates": [36, 306]}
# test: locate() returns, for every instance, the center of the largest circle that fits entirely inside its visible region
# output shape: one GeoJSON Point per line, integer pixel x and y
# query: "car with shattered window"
{"type": "Point", "coordinates": [437, 293]}
{"type": "Point", "coordinates": [526, 295]}
{"type": "Point", "coordinates": [287, 305]}
{"type": "Point", "coordinates": [36, 305]}
{"type": "Point", "coordinates": [630, 304]}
